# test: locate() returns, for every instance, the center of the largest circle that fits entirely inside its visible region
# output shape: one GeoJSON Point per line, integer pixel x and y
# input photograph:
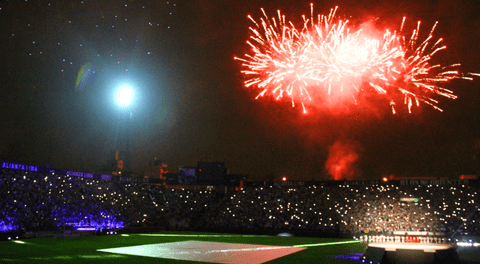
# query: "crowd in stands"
{"type": "Point", "coordinates": [352, 209]}
{"type": "Point", "coordinates": [33, 201]}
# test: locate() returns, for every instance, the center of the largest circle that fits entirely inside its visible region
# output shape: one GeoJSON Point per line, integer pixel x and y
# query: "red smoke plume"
{"type": "Point", "coordinates": [342, 157]}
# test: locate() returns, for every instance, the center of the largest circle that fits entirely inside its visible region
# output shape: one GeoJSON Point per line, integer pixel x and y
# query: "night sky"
{"type": "Point", "coordinates": [191, 104]}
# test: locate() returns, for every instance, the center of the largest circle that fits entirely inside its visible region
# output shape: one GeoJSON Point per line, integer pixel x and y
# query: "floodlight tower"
{"type": "Point", "coordinates": [124, 97]}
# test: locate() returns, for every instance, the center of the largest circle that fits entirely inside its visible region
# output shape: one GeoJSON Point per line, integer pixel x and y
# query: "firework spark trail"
{"type": "Point", "coordinates": [326, 57]}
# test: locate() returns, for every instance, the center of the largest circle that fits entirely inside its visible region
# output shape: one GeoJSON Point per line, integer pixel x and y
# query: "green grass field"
{"type": "Point", "coordinates": [84, 249]}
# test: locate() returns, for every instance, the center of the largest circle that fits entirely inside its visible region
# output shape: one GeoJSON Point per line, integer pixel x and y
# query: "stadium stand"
{"type": "Point", "coordinates": [38, 201]}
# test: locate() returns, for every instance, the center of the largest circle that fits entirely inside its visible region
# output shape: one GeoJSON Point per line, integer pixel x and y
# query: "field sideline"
{"type": "Point", "coordinates": [85, 249]}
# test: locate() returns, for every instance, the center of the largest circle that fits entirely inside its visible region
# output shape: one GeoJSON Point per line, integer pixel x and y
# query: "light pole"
{"type": "Point", "coordinates": [124, 97]}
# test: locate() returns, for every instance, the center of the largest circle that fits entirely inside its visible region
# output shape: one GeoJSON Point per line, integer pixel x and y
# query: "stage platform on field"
{"type": "Point", "coordinates": [411, 253]}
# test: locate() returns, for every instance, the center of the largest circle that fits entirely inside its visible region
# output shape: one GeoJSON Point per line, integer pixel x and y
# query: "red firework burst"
{"type": "Point", "coordinates": [326, 57]}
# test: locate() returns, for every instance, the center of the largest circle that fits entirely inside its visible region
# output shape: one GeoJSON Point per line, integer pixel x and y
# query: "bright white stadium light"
{"type": "Point", "coordinates": [124, 95]}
